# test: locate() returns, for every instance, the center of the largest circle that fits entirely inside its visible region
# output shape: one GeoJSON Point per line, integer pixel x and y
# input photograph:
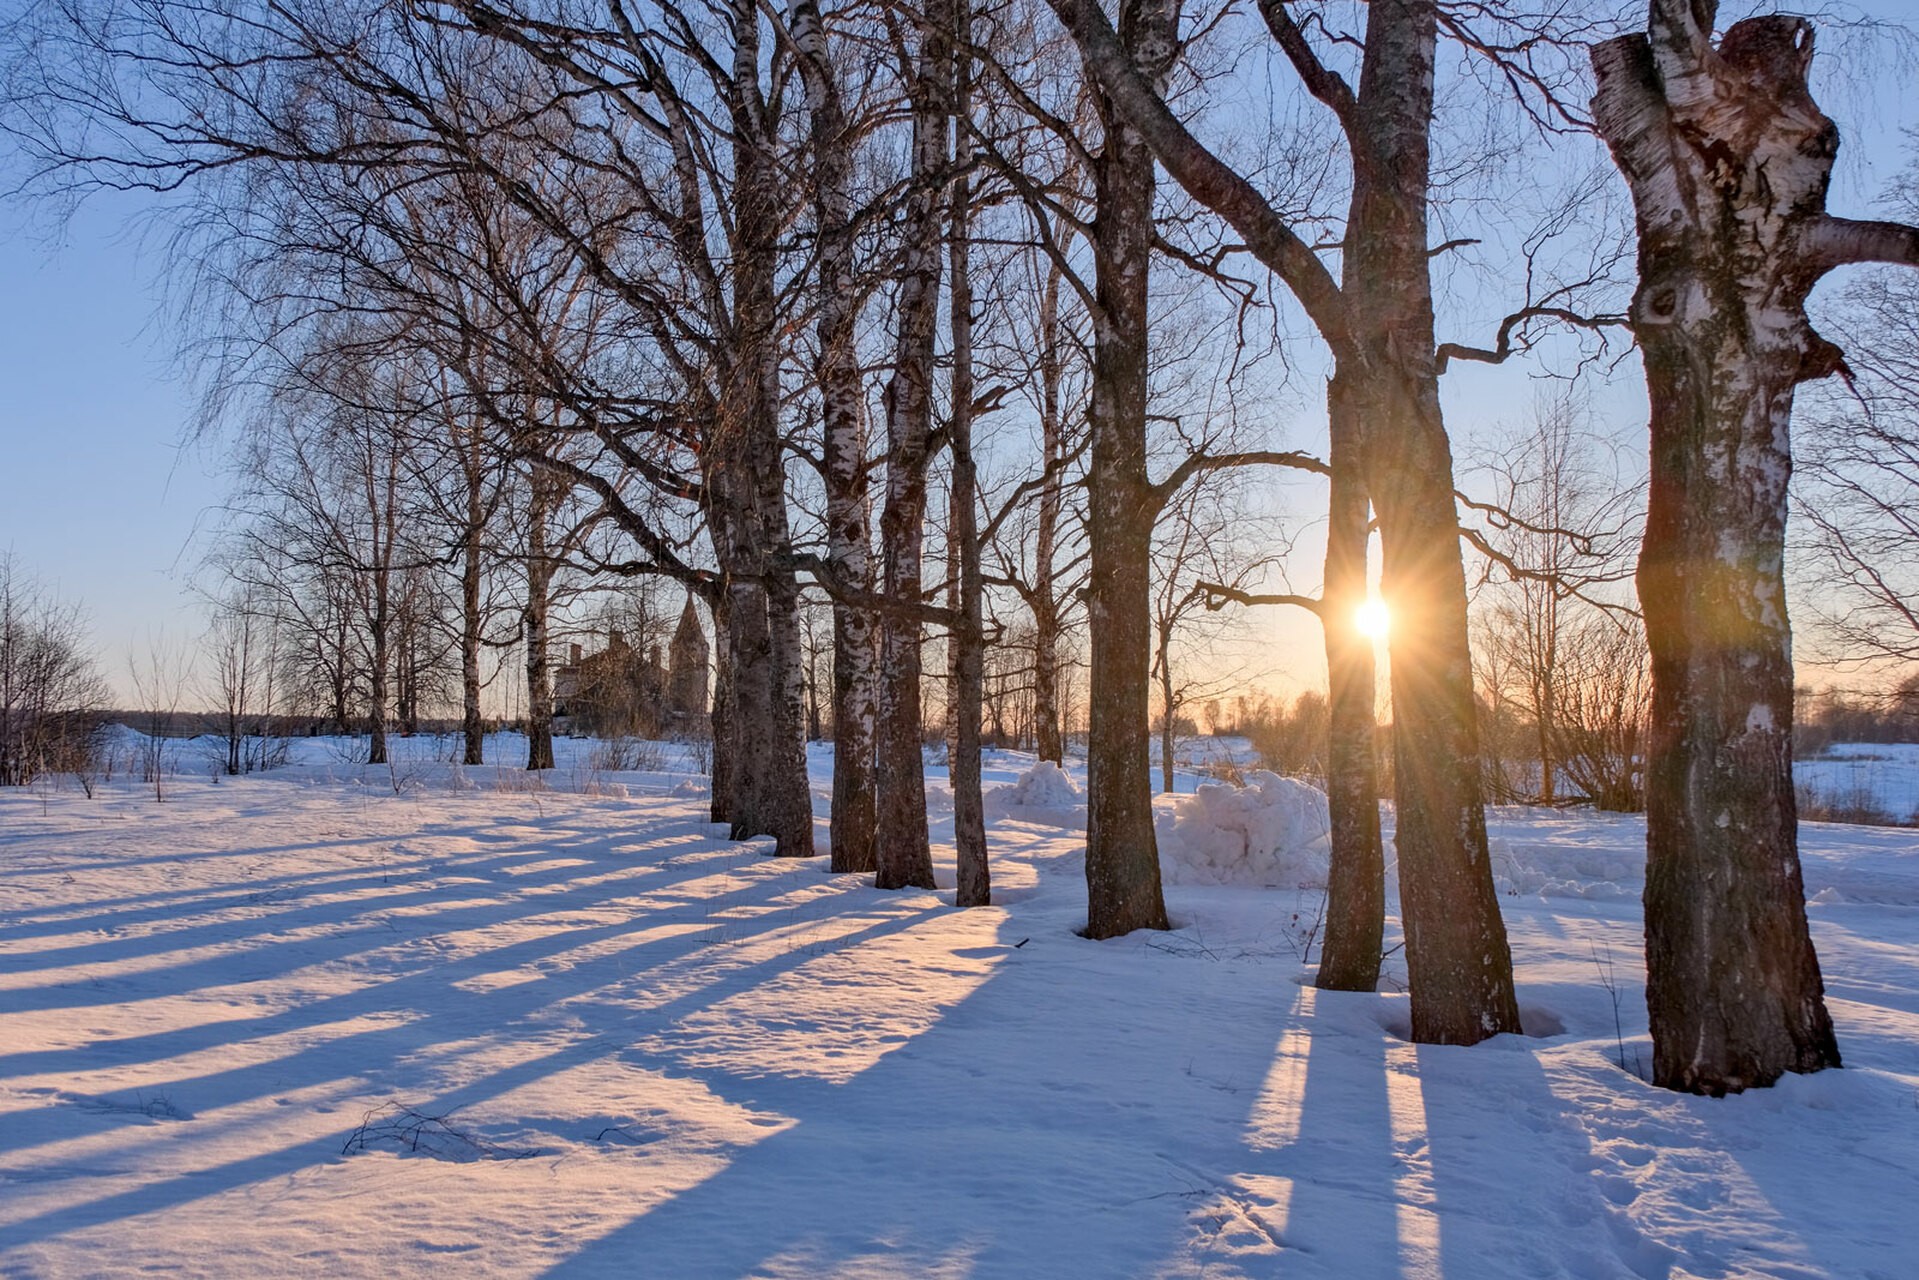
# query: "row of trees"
{"type": "Point", "coordinates": [667, 264]}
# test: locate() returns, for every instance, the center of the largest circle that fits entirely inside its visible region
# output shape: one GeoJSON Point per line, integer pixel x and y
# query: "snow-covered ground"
{"type": "Point", "coordinates": [1875, 776]}
{"type": "Point", "coordinates": [359, 1021]}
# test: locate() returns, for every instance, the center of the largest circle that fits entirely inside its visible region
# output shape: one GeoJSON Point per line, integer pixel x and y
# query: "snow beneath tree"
{"type": "Point", "coordinates": [425, 1020]}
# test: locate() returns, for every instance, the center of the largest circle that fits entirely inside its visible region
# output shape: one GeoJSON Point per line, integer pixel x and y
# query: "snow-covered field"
{"type": "Point", "coordinates": [358, 1021]}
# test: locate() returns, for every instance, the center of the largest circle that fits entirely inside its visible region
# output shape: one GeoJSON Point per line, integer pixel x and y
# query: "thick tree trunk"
{"type": "Point", "coordinates": [725, 755]}
{"type": "Point", "coordinates": [904, 857]}
{"type": "Point", "coordinates": [974, 886]}
{"type": "Point", "coordinates": [843, 409]}
{"type": "Point", "coordinates": [1457, 957]}
{"type": "Point", "coordinates": [769, 794]}
{"type": "Point", "coordinates": [1122, 855]}
{"type": "Point", "coordinates": [1728, 158]}
{"type": "Point", "coordinates": [1355, 884]}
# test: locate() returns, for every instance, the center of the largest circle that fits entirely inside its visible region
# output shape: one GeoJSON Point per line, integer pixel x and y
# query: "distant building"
{"type": "Point", "coordinates": [689, 659]}
{"type": "Point", "coordinates": [616, 692]}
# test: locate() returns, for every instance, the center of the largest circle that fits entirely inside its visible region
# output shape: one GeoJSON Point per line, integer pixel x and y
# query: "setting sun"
{"type": "Point", "coordinates": [1373, 619]}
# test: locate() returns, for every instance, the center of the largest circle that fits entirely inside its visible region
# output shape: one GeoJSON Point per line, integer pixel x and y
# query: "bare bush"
{"type": "Point", "coordinates": [49, 687]}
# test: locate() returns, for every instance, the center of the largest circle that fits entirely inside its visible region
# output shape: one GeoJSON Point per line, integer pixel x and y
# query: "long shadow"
{"type": "Point", "coordinates": [1341, 1213]}
{"type": "Point", "coordinates": [1043, 1138]}
{"type": "Point", "coordinates": [345, 912]}
{"type": "Point", "coordinates": [1498, 1136]}
{"type": "Point", "coordinates": [430, 975]}
{"type": "Point", "coordinates": [283, 1074]}
{"type": "Point", "coordinates": [451, 1014]}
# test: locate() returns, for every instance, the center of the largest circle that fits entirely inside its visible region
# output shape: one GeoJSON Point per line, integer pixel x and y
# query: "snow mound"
{"type": "Point", "coordinates": [1598, 872]}
{"type": "Point", "coordinates": [1273, 832]}
{"type": "Point", "coordinates": [1044, 794]}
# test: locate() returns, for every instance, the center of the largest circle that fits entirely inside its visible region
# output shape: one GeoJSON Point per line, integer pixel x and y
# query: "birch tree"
{"type": "Point", "coordinates": [1728, 159]}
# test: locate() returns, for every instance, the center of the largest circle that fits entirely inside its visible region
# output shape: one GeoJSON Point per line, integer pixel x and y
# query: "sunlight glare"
{"type": "Point", "coordinates": [1372, 619]}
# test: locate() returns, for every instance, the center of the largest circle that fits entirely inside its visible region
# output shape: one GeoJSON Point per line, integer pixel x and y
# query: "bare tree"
{"type": "Point", "coordinates": [160, 674]}
{"type": "Point", "coordinates": [1384, 417]}
{"type": "Point", "coordinates": [49, 686]}
{"type": "Point", "coordinates": [1856, 477]}
{"type": "Point", "coordinates": [1728, 158]}
{"type": "Point", "coordinates": [1561, 524]}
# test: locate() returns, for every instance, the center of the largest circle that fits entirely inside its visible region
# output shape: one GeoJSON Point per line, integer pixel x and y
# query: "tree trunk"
{"type": "Point", "coordinates": [843, 410]}
{"type": "Point", "coordinates": [376, 710]}
{"type": "Point", "coordinates": [1457, 956]}
{"type": "Point", "coordinates": [903, 855]}
{"type": "Point", "coordinates": [472, 726]}
{"type": "Point", "coordinates": [1046, 628]}
{"type": "Point", "coordinates": [1355, 880]}
{"type": "Point", "coordinates": [974, 886]}
{"type": "Point", "coordinates": [1122, 856]}
{"type": "Point", "coordinates": [539, 584]}
{"type": "Point", "coordinates": [769, 793]}
{"type": "Point", "coordinates": [1728, 158]}
{"type": "Point", "coordinates": [720, 807]}
{"type": "Point", "coordinates": [1168, 726]}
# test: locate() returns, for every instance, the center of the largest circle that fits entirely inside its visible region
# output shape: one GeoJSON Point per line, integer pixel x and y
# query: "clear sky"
{"type": "Point", "coordinates": [97, 497]}
{"type": "Point", "coordinates": [100, 498]}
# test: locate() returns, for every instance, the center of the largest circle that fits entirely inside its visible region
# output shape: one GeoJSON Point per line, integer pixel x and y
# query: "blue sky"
{"type": "Point", "coordinates": [97, 498]}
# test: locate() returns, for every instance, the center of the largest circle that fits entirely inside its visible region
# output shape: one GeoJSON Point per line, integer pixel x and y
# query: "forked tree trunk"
{"type": "Point", "coordinates": [1458, 961]}
{"type": "Point", "coordinates": [1123, 890]}
{"type": "Point", "coordinates": [1355, 883]}
{"type": "Point", "coordinates": [1379, 323]}
{"type": "Point", "coordinates": [1728, 158]}
{"type": "Point", "coordinates": [767, 723]}
{"type": "Point", "coordinates": [904, 857]}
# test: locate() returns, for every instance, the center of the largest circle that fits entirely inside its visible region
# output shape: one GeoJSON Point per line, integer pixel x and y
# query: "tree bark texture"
{"type": "Point", "coordinates": [974, 884]}
{"type": "Point", "coordinates": [769, 794]}
{"type": "Point", "coordinates": [1349, 958]}
{"type": "Point", "coordinates": [1728, 159]}
{"type": "Point", "coordinates": [1457, 957]}
{"type": "Point", "coordinates": [1123, 890]}
{"type": "Point", "coordinates": [843, 410]}
{"type": "Point", "coordinates": [904, 858]}
{"type": "Point", "coordinates": [1046, 606]}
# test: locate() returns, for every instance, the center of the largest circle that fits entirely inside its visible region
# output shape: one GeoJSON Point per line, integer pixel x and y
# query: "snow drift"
{"type": "Point", "coordinates": [1043, 794]}
{"type": "Point", "coordinates": [1273, 832]}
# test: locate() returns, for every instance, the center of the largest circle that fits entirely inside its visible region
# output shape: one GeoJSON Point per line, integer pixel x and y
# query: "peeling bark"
{"type": "Point", "coordinates": [1728, 158]}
